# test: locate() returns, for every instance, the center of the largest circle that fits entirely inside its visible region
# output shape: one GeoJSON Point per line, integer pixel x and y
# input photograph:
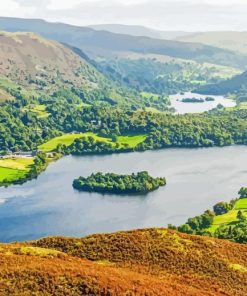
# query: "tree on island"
{"type": "Point", "coordinates": [114, 183]}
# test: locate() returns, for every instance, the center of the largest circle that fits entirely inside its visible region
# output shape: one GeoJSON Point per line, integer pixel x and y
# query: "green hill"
{"type": "Point", "coordinates": [235, 85]}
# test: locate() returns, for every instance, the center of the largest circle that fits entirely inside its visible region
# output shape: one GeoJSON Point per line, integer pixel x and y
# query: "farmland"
{"type": "Point", "coordinates": [13, 169]}
{"type": "Point", "coordinates": [68, 139]}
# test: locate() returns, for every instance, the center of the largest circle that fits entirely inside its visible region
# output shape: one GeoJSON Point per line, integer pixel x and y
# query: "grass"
{"type": "Point", "coordinates": [240, 106]}
{"type": "Point", "coordinates": [152, 110]}
{"type": "Point", "coordinates": [68, 139]}
{"type": "Point", "coordinates": [231, 216]}
{"type": "Point", "coordinates": [241, 204]}
{"type": "Point", "coordinates": [38, 110]}
{"type": "Point", "coordinates": [148, 95]}
{"type": "Point", "coordinates": [8, 85]}
{"type": "Point", "coordinates": [4, 96]}
{"type": "Point", "coordinates": [131, 141]}
{"type": "Point", "coordinates": [12, 169]}
{"type": "Point", "coordinates": [243, 105]}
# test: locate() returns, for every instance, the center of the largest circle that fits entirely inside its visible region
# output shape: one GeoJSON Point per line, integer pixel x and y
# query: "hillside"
{"type": "Point", "coordinates": [236, 41]}
{"type": "Point", "coordinates": [162, 74]}
{"type": "Point", "coordinates": [139, 31]}
{"type": "Point", "coordinates": [107, 44]}
{"type": "Point", "coordinates": [141, 262]}
{"type": "Point", "coordinates": [34, 62]}
{"type": "Point", "coordinates": [32, 66]}
{"type": "Point", "coordinates": [235, 85]}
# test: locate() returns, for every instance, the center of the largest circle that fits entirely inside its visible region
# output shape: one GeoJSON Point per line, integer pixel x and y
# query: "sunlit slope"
{"type": "Point", "coordinates": [155, 261]}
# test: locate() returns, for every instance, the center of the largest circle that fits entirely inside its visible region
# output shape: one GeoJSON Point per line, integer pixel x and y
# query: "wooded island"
{"type": "Point", "coordinates": [141, 182]}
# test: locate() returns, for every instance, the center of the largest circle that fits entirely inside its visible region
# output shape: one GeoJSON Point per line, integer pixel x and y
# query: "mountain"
{"type": "Point", "coordinates": [38, 63]}
{"type": "Point", "coordinates": [104, 44]}
{"type": "Point", "coordinates": [140, 262]}
{"type": "Point", "coordinates": [235, 85]}
{"type": "Point", "coordinates": [33, 66]}
{"type": "Point", "coordinates": [139, 31]}
{"type": "Point", "coordinates": [236, 41]}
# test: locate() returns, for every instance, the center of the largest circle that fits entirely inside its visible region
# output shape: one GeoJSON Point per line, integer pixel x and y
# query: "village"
{"type": "Point", "coordinates": [24, 154]}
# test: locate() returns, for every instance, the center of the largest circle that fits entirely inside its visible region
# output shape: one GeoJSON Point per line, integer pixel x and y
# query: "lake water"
{"type": "Point", "coordinates": [182, 108]}
{"type": "Point", "coordinates": [196, 180]}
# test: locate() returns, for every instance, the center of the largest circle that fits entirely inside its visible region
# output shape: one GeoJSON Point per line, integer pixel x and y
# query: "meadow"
{"type": "Point", "coordinates": [13, 169]}
{"type": "Point", "coordinates": [36, 109]}
{"type": "Point", "coordinates": [68, 139]}
{"type": "Point", "coordinates": [231, 216]}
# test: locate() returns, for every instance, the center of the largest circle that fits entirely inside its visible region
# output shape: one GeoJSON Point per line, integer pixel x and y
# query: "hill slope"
{"type": "Point", "coordinates": [236, 41]}
{"type": "Point", "coordinates": [141, 262]}
{"type": "Point", "coordinates": [139, 31]}
{"type": "Point", "coordinates": [103, 43]}
{"type": "Point", "coordinates": [32, 66]}
{"type": "Point", "coordinates": [237, 84]}
{"type": "Point", "coordinates": [30, 60]}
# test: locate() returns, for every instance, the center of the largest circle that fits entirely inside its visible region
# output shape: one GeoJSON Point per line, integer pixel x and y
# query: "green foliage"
{"type": "Point", "coordinates": [228, 221]}
{"type": "Point", "coordinates": [114, 183]}
{"type": "Point", "coordinates": [198, 224]}
{"type": "Point", "coordinates": [162, 75]}
{"type": "Point", "coordinates": [243, 192]}
{"type": "Point", "coordinates": [223, 207]}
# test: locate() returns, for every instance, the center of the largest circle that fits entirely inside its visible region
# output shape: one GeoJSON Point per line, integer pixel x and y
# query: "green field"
{"type": "Point", "coordinates": [131, 141]}
{"type": "Point", "coordinates": [231, 216]}
{"type": "Point", "coordinates": [148, 95]}
{"type": "Point", "coordinates": [241, 204]}
{"type": "Point", "coordinates": [38, 110]}
{"type": "Point", "coordinates": [152, 110]}
{"type": "Point", "coordinates": [68, 139]}
{"type": "Point", "coordinates": [12, 169]}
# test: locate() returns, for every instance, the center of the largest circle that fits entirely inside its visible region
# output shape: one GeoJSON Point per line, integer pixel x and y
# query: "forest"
{"type": "Point", "coordinates": [23, 130]}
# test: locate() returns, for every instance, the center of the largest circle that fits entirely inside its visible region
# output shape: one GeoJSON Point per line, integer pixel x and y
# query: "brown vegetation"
{"type": "Point", "coordinates": [141, 262]}
{"type": "Point", "coordinates": [38, 63]}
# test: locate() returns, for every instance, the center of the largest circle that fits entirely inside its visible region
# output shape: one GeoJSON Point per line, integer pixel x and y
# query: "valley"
{"type": "Point", "coordinates": [105, 129]}
{"type": "Point", "coordinates": [49, 206]}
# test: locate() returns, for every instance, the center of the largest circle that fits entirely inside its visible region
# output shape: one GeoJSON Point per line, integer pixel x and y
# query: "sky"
{"type": "Point", "coordinates": [172, 15]}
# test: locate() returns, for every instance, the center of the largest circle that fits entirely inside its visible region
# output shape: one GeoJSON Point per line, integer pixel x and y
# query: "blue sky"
{"type": "Point", "coordinates": [187, 15]}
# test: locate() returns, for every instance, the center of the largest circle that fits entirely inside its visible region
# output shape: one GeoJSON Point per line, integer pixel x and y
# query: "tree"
{"type": "Point", "coordinates": [241, 217]}
{"type": "Point", "coordinates": [243, 192]}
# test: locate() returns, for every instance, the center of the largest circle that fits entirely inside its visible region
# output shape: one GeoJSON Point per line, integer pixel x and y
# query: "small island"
{"type": "Point", "coordinates": [209, 99]}
{"type": "Point", "coordinates": [141, 183]}
{"type": "Point", "coordinates": [192, 100]}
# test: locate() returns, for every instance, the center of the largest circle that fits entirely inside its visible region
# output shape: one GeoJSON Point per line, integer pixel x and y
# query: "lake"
{"type": "Point", "coordinates": [196, 180]}
{"type": "Point", "coordinates": [182, 108]}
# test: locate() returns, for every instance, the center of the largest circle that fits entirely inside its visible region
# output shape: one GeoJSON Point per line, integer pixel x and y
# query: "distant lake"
{"type": "Point", "coordinates": [182, 108]}
{"type": "Point", "coordinates": [196, 180]}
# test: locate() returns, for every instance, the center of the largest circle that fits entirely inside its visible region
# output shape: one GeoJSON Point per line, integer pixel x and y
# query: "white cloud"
{"type": "Point", "coordinates": [222, 2]}
{"type": "Point", "coordinates": [13, 8]}
{"type": "Point", "coordinates": [189, 15]}
{"type": "Point", "coordinates": [68, 4]}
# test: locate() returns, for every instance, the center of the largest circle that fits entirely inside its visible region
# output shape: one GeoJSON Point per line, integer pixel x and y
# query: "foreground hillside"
{"type": "Point", "coordinates": [141, 262]}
